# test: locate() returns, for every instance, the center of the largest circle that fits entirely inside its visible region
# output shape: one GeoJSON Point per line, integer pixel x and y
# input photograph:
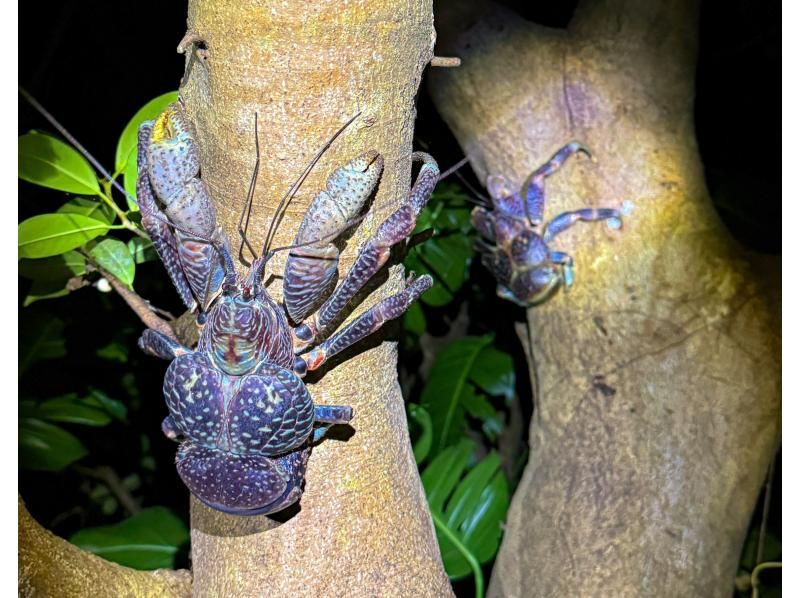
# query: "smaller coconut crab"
{"type": "Point", "coordinates": [516, 248]}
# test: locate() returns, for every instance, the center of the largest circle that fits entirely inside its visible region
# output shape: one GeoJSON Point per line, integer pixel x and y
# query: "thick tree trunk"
{"type": "Point", "coordinates": [363, 528]}
{"type": "Point", "coordinates": [657, 378]}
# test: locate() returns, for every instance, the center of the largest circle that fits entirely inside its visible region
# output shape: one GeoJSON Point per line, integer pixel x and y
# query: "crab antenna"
{"type": "Point", "coordinates": [284, 203]}
{"type": "Point", "coordinates": [60, 128]}
{"type": "Point", "coordinates": [248, 206]}
{"type": "Point", "coordinates": [454, 168]}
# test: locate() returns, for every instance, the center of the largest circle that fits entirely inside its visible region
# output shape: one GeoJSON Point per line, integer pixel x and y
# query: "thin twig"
{"type": "Point", "coordinates": [140, 307]}
{"type": "Point", "coordinates": [446, 61]}
{"type": "Point", "coordinates": [109, 477]}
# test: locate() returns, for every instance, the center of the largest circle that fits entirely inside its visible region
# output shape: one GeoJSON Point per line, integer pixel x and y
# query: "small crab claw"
{"type": "Point", "coordinates": [311, 270]}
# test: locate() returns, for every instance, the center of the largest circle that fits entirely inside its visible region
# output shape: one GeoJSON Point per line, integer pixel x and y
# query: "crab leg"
{"type": "Point", "coordinates": [155, 343]}
{"type": "Point", "coordinates": [368, 322]}
{"type": "Point", "coordinates": [375, 252]}
{"type": "Point", "coordinates": [563, 221]}
{"type": "Point", "coordinates": [533, 188]}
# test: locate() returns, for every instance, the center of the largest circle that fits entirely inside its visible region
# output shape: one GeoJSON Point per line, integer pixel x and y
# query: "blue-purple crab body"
{"type": "Point", "coordinates": [516, 241]}
{"type": "Point", "coordinates": [237, 403]}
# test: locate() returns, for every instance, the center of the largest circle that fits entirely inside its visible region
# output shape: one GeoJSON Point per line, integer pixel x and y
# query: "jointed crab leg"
{"type": "Point", "coordinates": [533, 188]}
{"type": "Point", "coordinates": [563, 221]}
{"type": "Point", "coordinates": [368, 322]}
{"type": "Point", "coordinates": [375, 252]}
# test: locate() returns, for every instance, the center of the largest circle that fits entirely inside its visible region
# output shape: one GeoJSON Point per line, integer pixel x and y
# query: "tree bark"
{"type": "Point", "coordinates": [363, 528]}
{"type": "Point", "coordinates": [657, 377]}
{"type": "Point", "coordinates": [51, 566]}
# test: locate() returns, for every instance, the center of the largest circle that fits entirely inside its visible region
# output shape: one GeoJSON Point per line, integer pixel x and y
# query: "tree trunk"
{"type": "Point", "coordinates": [657, 377]}
{"type": "Point", "coordinates": [363, 528]}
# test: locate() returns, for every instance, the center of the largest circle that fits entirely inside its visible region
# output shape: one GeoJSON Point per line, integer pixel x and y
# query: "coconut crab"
{"type": "Point", "coordinates": [237, 402]}
{"type": "Point", "coordinates": [516, 244]}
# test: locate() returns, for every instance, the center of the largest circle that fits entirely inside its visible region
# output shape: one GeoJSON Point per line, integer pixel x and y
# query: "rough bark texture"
{"type": "Point", "coordinates": [657, 377]}
{"type": "Point", "coordinates": [363, 528]}
{"type": "Point", "coordinates": [51, 566]}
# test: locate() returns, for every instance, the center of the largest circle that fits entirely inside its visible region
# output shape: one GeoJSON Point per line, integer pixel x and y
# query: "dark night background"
{"type": "Point", "coordinates": [94, 64]}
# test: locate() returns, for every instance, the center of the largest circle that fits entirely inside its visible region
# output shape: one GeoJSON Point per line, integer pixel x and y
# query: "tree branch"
{"type": "Point", "coordinates": [51, 566]}
{"type": "Point", "coordinates": [651, 487]}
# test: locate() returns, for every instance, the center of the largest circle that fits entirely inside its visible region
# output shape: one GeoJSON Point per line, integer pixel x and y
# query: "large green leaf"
{"type": "Point", "coordinates": [130, 174]}
{"type": "Point", "coordinates": [45, 289]}
{"type": "Point", "coordinates": [414, 319]}
{"type": "Point", "coordinates": [88, 206]}
{"type": "Point", "coordinates": [72, 409]}
{"type": "Point", "coordinates": [494, 373]}
{"type": "Point", "coordinates": [41, 337]}
{"type": "Point", "coordinates": [148, 540]}
{"type": "Point", "coordinates": [447, 255]}
{"type": "Point", "coordinates": [467, 510]}
{"type": "Point", "coordinates": [51, 234]}
{"type": "Point", "coordinates": [113, 256]}
{"type": "Point", "coordinates": [142, 250]}
{"type": "Point", "coordinates": [50, 162]}
{"type": "Point", "coordinates": [44, 446]}
{"type": "Point", "coordinates": [126, 146]}
{"type": "Point", "coordinates": [447, 385]}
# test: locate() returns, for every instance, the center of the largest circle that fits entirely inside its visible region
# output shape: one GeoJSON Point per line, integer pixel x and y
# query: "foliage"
{"type": "Point", "coordinates": [61, 251]}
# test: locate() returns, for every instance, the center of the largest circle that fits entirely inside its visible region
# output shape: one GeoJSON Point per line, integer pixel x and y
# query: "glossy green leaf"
{"type": "Point", "coordinates": [49, 162]}
{"type": "Point", "coordinates": [88, 206]}
{"type": "Point", "coordinates": [447, 259]}
{"type": "Point", "coordinates": [58, 268]}
{"type": "Point", "coordinates": [494, 373]}
{"type": "Point", "coordinates": [130, 175]}
{"type": "Point", "coordinates": [440, 477]}
{"type": "Point", "coordinates": [446, 386]}
{"type": "Point", "coordinates": [113, 256]}
{"type": "Point", "coordinates": [44, 446]}
{"type": "Point", "coordinates": [42, 337]}
{"type": "Point", "coordinates": [51, 234]}
{"type": "Point", "coordinates": [147, 540]}
{"type": "Point", "coordinates": [72, 409]}
{"type": "Point", "coordinates": [101, 400]}
{"type": "Point", "coordinates": [142, 250]}
{"type": "Point", "coordinates": [474, 513]}
{"type": "Point", "coordinates": [422, 446]}
{"type": "Point", "coordinates": [126, 146]}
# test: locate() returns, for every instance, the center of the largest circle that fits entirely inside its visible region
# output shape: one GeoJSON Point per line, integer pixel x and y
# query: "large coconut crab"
{"type": "Point", "coordinates": [516, 248]}
{"type": "Point", "coordinates": [237, 403]}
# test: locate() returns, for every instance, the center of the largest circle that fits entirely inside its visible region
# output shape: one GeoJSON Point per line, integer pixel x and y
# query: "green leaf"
{"type": "Point", "coordinates": [88, 206]}
{"type": "Point", "coordinates": [148, 540]}
{"type": "Point", "coordinates": [414, 319]}
{"type": "Point", "coordinates": [73, 410]}
{"type": "Point", "coordinates": [114, 351]}
{"type": "Point", "coordinates": [49, 162]}
{"type": "Point", "coordinates": [42, 338]}
{"type": "Point", "coordinates": [423, 444]}
{"type": "Point", "coordinates": [130, 174]}
{"type": "Point", "coordinates": [43, 446]}
{"type": "Point", "coordinates": [58, 268]}
{"type": "Point", "coordinates": [126, 146]}
{"type": "Point", "coordinates": [494, 373]}
{"type": "Point", "coordinates": [475, 514]}
{"type": "Point", "coordinates": [142, 250]}
{"type": "Point", "coordinates": [101, 400]}
{"type": "Point", "coordinates": [45, 289]}
{"type": "Point", "coordinates": [51, 234]}
{"type": "Point", "coordinates": [447, 259]}
{"type": "Point", "coordinates": [446, 387]}
{"type": "Point", "coordinates": [113, 256]}
{"type": "Point", "coordinates": [467, 512]}
{"type": "Point", "coordinates": [440, 477]}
